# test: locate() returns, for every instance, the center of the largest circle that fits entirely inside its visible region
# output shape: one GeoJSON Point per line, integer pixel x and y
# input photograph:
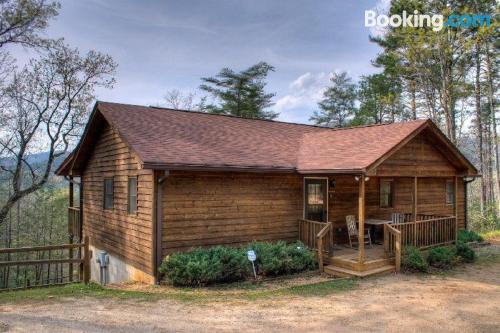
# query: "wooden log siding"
{"type": "Point", "coordinates": [128, 236]}
{"type": "Point", "coordinates": [204, 209]}
{"type": "Point", "coordinates": [419, 157]}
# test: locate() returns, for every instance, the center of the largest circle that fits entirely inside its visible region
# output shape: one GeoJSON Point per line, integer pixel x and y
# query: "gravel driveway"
{"type": "Point", "coordinates": [465, 301]}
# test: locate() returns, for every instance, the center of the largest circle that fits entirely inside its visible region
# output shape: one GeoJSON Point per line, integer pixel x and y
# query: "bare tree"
{"type": "Point", "coordinates": [21, 21]}
{"type": "Point", "coordinates": [175, 99]}
{"type": "Point", "coordinates": [45, 107]}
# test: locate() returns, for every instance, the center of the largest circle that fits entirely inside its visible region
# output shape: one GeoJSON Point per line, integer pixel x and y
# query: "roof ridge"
{"type": "Point", "coordinates": [266, 120]}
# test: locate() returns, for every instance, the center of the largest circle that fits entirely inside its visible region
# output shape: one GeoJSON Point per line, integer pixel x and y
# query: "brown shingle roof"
{"type": "Point", "coordinates": [165, 138]}
{"type": "Point", "coordinates": [352, 148]}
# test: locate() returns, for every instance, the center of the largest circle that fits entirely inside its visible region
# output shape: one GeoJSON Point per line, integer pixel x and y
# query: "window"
{"type": "Point", "coordinates": [315, 199]}
{"type": "Point", "coordinates": [314, 194]}
{"type": "Point", "coordinates": [450, 192]}
{"type": "Point", "coordinates": [108, 193]}
{"type": "Point", "coordinates": [132, 195]}
{"type": "Point", "coordinates": [386, 190]}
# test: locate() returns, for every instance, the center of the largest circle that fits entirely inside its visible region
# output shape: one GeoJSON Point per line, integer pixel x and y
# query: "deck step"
{"type": "Point", "coordinates": [345, 272]}
{"type": "Point", "coordinates": [354, 265]}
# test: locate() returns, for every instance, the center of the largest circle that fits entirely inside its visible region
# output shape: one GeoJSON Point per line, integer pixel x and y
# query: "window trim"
{"type": "Point", "coordinates": [112, 193]}
{"type": "Point", "coordinates": [391, 181]}
{"type": "Point", "coordinates": [449, 181]}
{"type": "Point", "coordinates": [136, 195]}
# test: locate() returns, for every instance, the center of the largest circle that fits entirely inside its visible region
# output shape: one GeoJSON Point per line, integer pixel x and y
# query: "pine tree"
{"type": "Point", "coordinates": [242, 93]}
{"type": "Point", "coordinates": [338, 103]}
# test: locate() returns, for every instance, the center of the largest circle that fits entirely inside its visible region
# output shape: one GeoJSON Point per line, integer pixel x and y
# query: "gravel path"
{"type": "Point", "coordinates": [466, 301]}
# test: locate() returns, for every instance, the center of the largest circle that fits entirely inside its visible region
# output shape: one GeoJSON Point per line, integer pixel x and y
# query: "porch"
{"type": "Point", "coordinates": [402, 228]}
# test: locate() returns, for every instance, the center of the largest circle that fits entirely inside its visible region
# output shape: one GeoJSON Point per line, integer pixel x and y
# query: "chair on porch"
{"type": "Point", "coordinates": [399, 218]}
{"type": "Point", "coordinates": [352, 230]}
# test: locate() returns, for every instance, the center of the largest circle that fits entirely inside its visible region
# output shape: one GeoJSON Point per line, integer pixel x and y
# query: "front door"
{"type": "Point", "coordinates": [315, 199]}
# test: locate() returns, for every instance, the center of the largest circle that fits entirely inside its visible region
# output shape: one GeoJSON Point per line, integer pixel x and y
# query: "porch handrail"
{"type": "Point", "coordinates": [308, 230]}
{"type": "Point", "coordinates": [392, 244]}
{"type": "Point", "coordinates": [431, 230]}
{"type": "Point", "coordinates": [74, 223]}
{"type": "Point", "coordinates": [325, 232]}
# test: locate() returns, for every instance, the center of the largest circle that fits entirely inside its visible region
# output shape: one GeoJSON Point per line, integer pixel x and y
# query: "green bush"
{"type": "Point", "coordinates": [465, 252]}
{"type": "Point", "coordinates": [441, 257]}
{"type": "Point", "coordinates": [282, 258]}
{"type": "Point", "coordinates": [201, 267]}
{"type": "Point", "coordinates": [414, 261]}
{"type": "Point", "coordinates": [466, 236]}
{"type": "Point", "coordinates": [205, 266]}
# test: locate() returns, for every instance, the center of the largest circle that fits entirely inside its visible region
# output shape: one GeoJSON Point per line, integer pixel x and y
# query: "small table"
{"type": "Point", "coordinates": [373, 223]}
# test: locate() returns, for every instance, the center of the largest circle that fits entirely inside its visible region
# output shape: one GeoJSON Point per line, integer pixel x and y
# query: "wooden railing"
{"type": "Point", "coordinates": [427, 231]}
{"type": "Point", "coordinates": [323, 240]}
{"type": "Point", "coordinates": [44, 265]}
{"type": "Point", "coordinates": [74, 223]}
{"type": "Point", "coordinates": [308, 230]}
{"type": "Point", "coordinates": [392, 244]}
{"type": "Point", "coordinates": [318, 236]}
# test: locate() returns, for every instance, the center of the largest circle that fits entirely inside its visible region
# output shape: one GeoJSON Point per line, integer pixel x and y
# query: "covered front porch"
{"type": "Point", "coordinates": [410, 211]}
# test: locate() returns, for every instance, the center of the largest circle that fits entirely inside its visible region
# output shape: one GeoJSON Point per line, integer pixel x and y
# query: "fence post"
{"type": "Point", "coordinates": [86, 259]}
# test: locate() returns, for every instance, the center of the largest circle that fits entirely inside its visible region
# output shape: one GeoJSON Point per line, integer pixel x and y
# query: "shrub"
{"type": "Point", "coordinates": [201, 267]}
{"type": "Point", "coordinates": [465, 252]}
{"type": "Point", "coordinates": [414, 261]}
{"type": "Point", "coordinates": [441, 257]}
{"type": "Point", "coordinates": [205, 266]}
{"type": "Point", "coordinates": [466, 236]}
{"type": "Point", "coordinates": [281, 258]}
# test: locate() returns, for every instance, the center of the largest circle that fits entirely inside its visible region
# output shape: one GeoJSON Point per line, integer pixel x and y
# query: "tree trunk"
{"type": "Point", "coordinates": [491, 102]}
{"type": "Point", "coordinates": [413, 93]}
{"type": "Point", "coordinates": [479, 124]}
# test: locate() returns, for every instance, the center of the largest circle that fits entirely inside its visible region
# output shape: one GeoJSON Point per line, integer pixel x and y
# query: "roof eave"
{"type": "Point", "coordinates": [206, 167]}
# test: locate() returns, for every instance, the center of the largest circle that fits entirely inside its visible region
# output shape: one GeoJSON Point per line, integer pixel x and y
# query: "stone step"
{"type": "Point", "coordinates": [345, 272]}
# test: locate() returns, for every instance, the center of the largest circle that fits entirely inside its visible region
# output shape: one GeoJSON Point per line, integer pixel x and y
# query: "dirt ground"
{"type": "Point", "coordinates": [467, 300]}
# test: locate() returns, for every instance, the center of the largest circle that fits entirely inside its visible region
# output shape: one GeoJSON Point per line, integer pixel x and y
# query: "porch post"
{"type": "Point", "coordinates": [455, 207]}
{"type": "Point", "coordinates": [71, 191]}
{"type": "Point", "coordinates": [71, 273]}
{"type": "Point", "coordinates": [415, 209]}
{"type": "Point", "coordinates": [361, 217]}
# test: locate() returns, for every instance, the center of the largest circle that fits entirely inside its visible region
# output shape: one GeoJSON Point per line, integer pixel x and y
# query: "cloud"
{"type": "Point", "coordinates": [304, 94]}
{"type": "Point", "coordinates": [381, 7]}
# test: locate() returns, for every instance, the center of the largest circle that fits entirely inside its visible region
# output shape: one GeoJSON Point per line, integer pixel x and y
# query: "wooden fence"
{"type": "Point", "coordinates": [37, 266]}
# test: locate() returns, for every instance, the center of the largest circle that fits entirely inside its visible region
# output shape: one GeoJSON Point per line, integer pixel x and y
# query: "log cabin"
{"type": "Point", "coordinates": [154, 181]}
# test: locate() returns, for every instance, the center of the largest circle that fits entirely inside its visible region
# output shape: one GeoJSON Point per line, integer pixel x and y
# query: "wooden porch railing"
{"type": "Point", "coordinates": [317, 235]}
{"type": "Point", "coordinates": [392, 244]}
{"type": "Point", "coordinates": [74, 223]}
{"type": "Point", "coordinates": [308, 230]}
{"type": "Point", "coordinates": [323, 240]}
{"type": "Point", "coordinates": [427, 231]}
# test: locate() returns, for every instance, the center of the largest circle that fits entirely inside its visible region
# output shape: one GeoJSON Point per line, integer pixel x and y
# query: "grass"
{"type": "Point", "coordinates": [249, 291]}
{"type": "Point", "coordinates": [73, 290]}
{"type": "Point", "coordinates": [319, 289]}
{"type": "Point", "coordinates": [495, 234]}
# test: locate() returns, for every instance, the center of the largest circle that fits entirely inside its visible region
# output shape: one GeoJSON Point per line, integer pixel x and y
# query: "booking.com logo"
{"type": "Point", "coordinates": [416, 20]}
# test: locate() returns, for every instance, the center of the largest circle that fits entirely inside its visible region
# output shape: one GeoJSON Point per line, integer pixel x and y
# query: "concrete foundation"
{"type": "Point", "coordinates": [117, 270]}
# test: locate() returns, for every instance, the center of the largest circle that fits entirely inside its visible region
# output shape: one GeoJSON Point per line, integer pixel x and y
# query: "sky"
{"type": "Point", "coordinates": [164, 45]}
